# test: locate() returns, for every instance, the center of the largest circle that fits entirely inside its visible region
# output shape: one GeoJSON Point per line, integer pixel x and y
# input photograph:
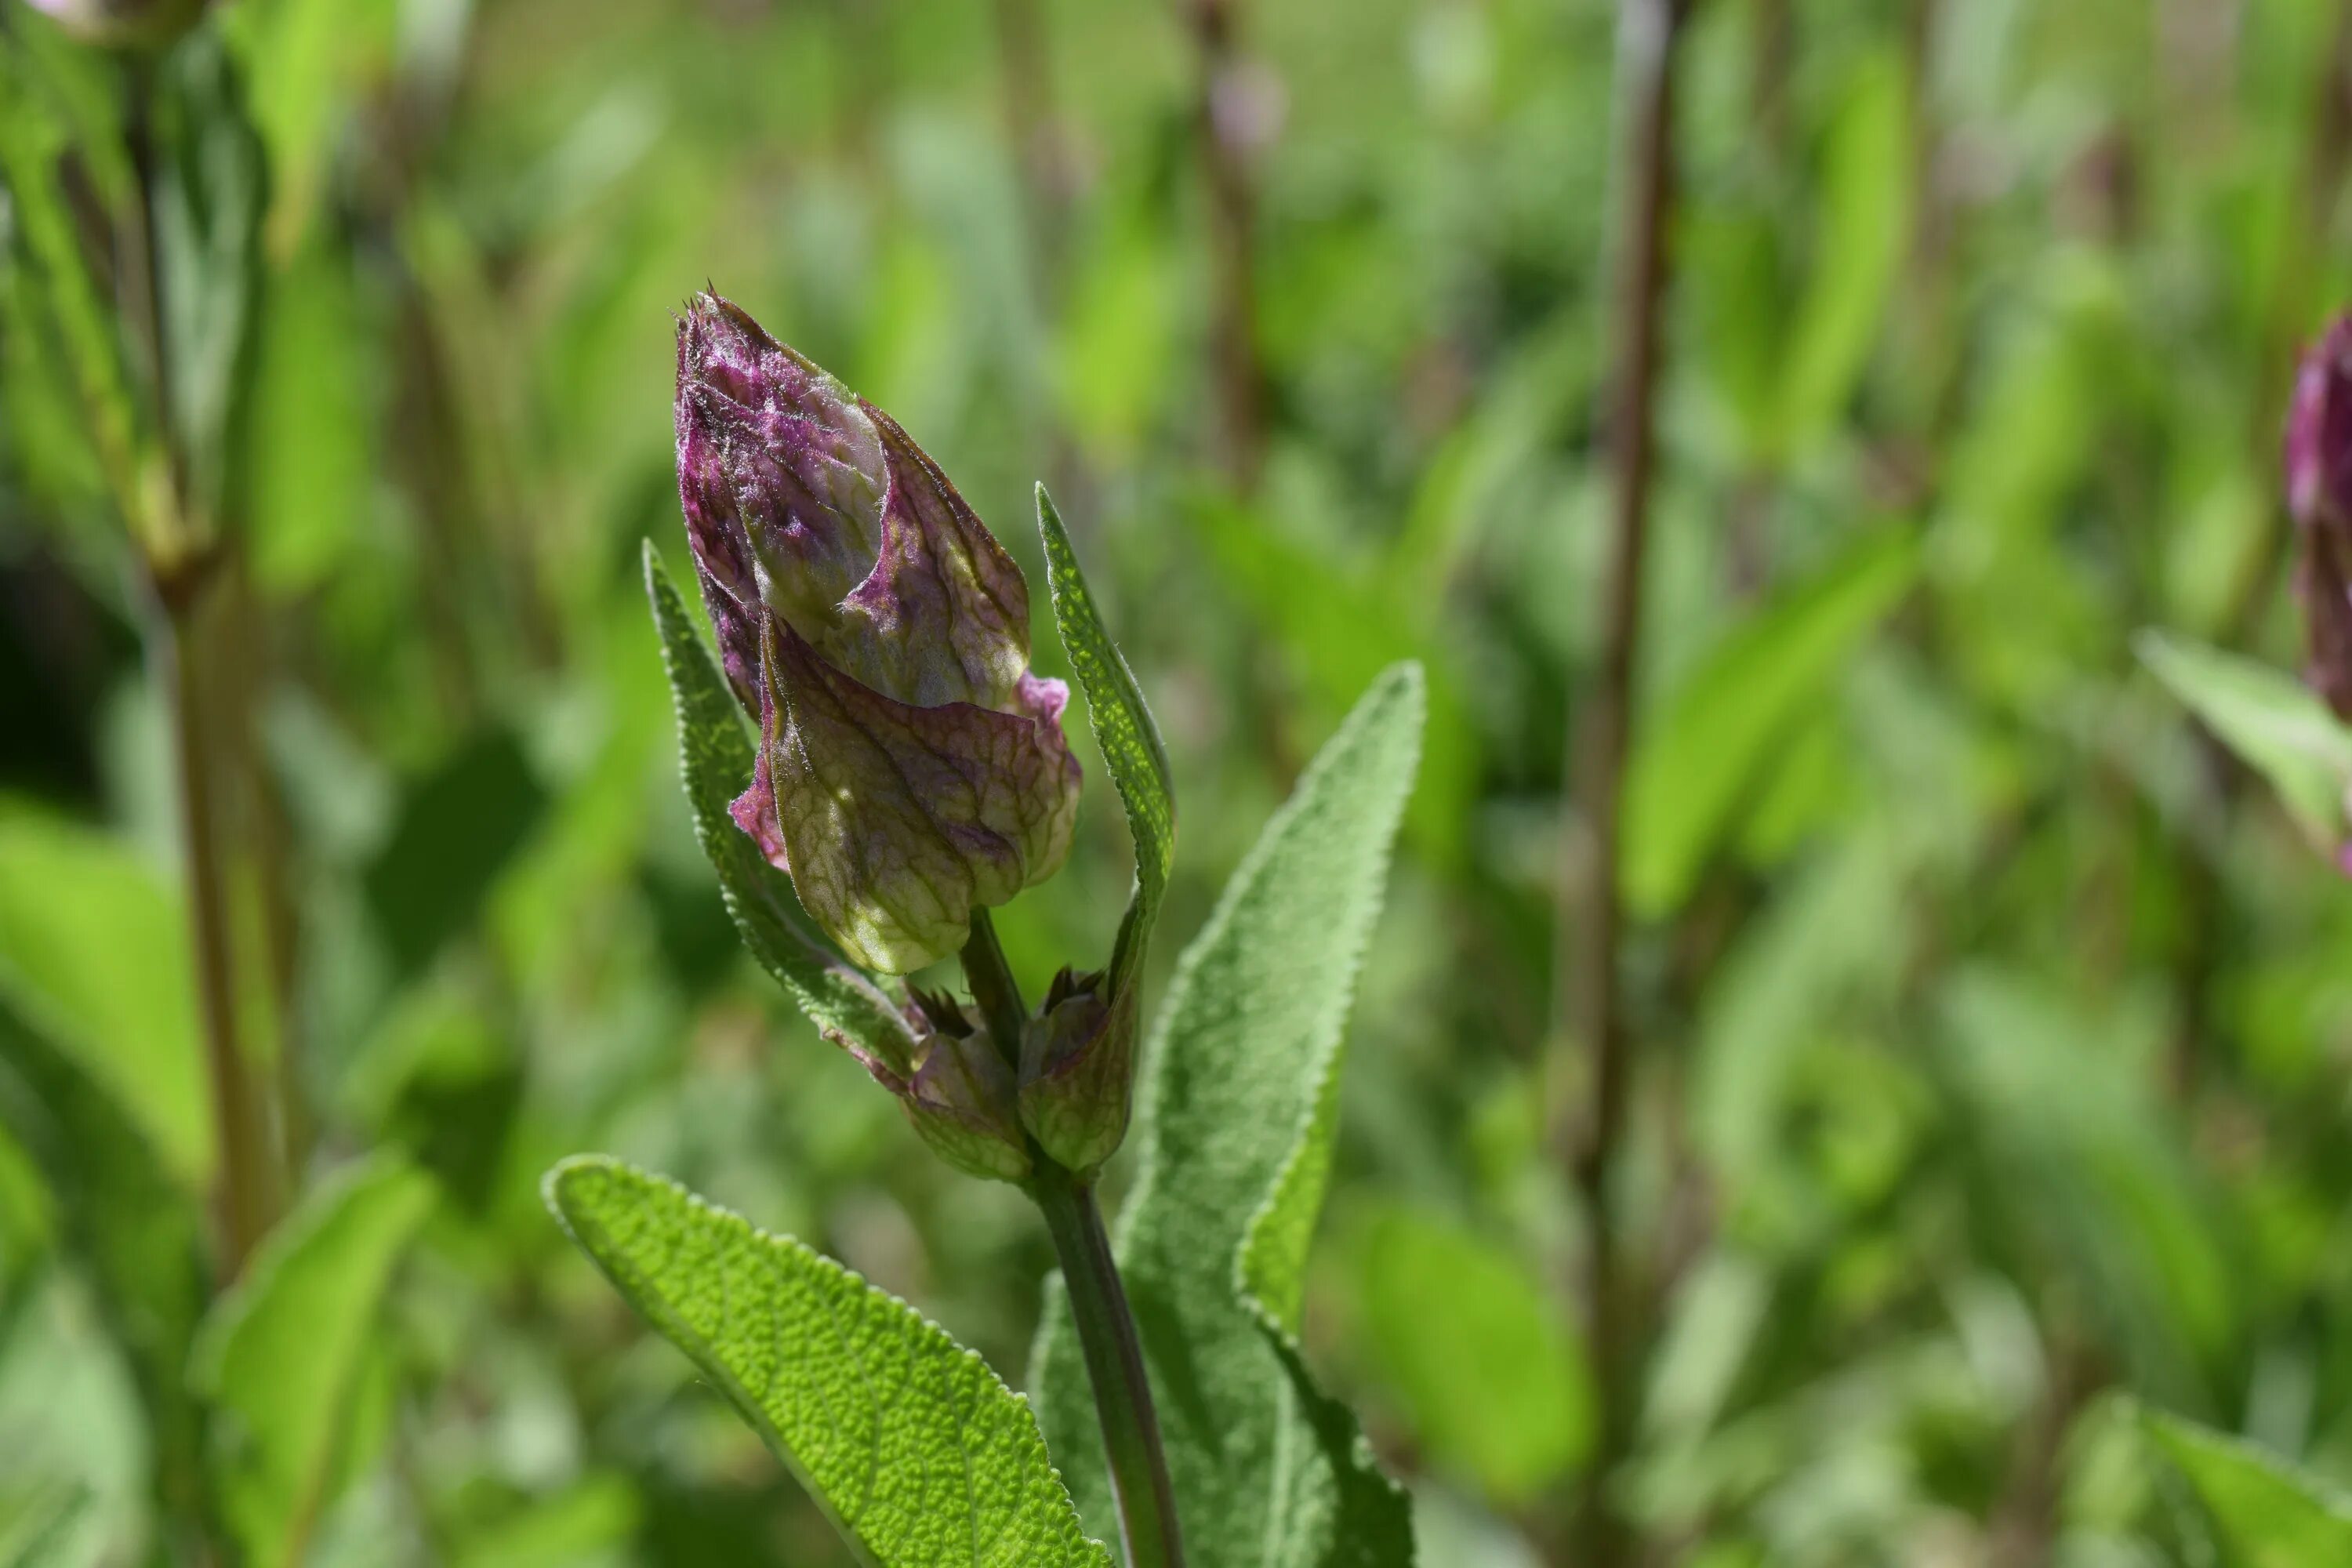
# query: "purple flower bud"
{"type": "Point", "coordinates": [124, 24]}
{"type": "Point", "coordinates": [961, 1095]}
{"type": "Point", "coordinates": [2319, 495]}
{"type": "Point", "coordinates": [910, 768]}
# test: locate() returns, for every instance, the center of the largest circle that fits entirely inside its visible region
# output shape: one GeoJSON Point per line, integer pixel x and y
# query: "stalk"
{"type": "Point", "coordinates": [182, 570]}
{"type": "Point", "coordinates": [1240, 375]}
{"type": "Point", "coordinates": [1114, 1356]}
{"type": "Point", "coordinates": [1591, 1007]}
{"type": "Point", "coordinates": [242, 1194]}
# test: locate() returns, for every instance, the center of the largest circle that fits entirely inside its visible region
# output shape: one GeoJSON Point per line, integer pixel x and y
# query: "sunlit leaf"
{"type": "Point", "coordinates": [1238, 1114]}
{"type": "Point", "coordinates": [921, 1454]}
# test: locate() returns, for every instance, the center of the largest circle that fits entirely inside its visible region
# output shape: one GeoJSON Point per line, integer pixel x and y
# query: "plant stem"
{"type": "Point", "coordinates": [1590, 1003]}
{"type": "Point", "coordinates": [1130, 1427]}
{"type": "Point", "coordinates": [242, 1198]}
{"type": "Point", "coordinates": [1225, 161]}
{"type": "Point", "coordinates": [1114, 1356]}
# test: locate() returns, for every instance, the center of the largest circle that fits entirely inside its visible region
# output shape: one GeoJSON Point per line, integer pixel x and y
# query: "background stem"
{"type": "Point", "coordinates": [1590, 1003]}
{"type": "Point", "coordinates": [242, 1194]}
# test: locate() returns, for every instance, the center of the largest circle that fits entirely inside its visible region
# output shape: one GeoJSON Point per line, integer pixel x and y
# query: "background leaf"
{"type": "Point", "coordinates": [1493, 1383]}
{"type": "Point", "coordinates": [2265, 1511]}
{"type": "Point", "coordinates": [921, 1454]}
{"type": "Point", "coordinates": [2278, 725]}
{"type": "Point", "coordinates": [1698, 757]}
{"type": "Point", "coordinates": [280, 1357]}
{"type": "Point", "coordinates": [1234, 1136]}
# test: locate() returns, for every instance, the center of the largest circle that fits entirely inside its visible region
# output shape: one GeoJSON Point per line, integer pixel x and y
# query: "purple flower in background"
{"type": "Point", "coordinates": [910, 767]}
{"type": "Point", "coordinates": [2319, 495]}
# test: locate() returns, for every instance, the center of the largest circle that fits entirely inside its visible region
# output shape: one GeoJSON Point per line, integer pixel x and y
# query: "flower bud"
{"type": "Point", "coordinates": [910, 768]}
{"type": "Point", "coordinates": [122, 24]}
{"type": "Point", "coordinates": [2319, 495]}
{"type": "Point", "coordinates": [1077, 1069]}
{"type": "Point", "coordinates": [960, 1096]}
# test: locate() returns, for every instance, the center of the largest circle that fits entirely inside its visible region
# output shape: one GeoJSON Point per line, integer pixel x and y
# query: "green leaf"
{"type": "Point", "coordinates": [1694, 762]}
{"type": "Point", "coordinates": [2274, 723]}
{"type": "Point", "coordinates": [281, 1355]}
{"type": "Point", "coordinates": [1235, 1128]}
{"type": "Point", "coordinates": [1866, 223]}
{"type": "Point", "coordinates": [128, 1220]}
{"type": "Point", "coordinates": [1123, 728]}
{"type": "Point", "coordinates": [35, 136]}
{"type": "Point", "coordinates": [917, 1451]}
{"type": "Point", "coordinates": [76, 906]}
{"type": "Point", "coordinates": [717, 758]}
{"type": "Point", "coordinates": [1343, 622]}
{"type": "Point", "coordinates": [1481, 1357]}
{"type": "Point", "coordinates": [2267, 1514]}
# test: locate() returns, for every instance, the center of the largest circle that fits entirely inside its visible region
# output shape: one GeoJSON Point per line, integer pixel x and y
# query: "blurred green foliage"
{"type": "Point", "coordinates": [1994, 1031]}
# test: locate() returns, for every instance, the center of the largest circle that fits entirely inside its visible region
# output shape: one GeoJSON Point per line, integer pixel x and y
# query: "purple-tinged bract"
{"type": "Point", "coordinates": [911, 769]}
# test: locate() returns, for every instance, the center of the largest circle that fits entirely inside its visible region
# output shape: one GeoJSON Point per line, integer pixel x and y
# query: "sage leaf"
{"type": "Point", "coordinates": [1123, 728]}
{"type": "Point", "coordinates": [921, 1454]}
{"type": "Point", "coordinates": [1238, 1113]}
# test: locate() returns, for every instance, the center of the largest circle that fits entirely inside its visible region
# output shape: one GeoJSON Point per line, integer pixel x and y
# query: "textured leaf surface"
{"type": "Point", "coordinates": [1123, 728]}
{"type": "Point", "coordinates": [282, 1354]}
{"type": "Point", "coordinates": [1235, 1130]}
{"type": "Point", "coordinates": [716, 755]}
{"type": "Point", "coordinates": [919, 1451]}
{"type": "Point", "coordinates": [1692, 765]}
{"type": "Point", "coordinates": [2266, 1512]}
{"type": "Point", "coordinates": [2277, 725]}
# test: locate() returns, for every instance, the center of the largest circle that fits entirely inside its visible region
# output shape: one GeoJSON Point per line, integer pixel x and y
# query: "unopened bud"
{"type": "Point", "coordinates": [1077, 1069]}
{"type": "Point", "coordinates": [910, 769]}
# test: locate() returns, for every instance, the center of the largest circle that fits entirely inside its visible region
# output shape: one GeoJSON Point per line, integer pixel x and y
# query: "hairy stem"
{"type": "Point", "coordinates": [1114, 1356]}
{"type": "Point", "coordinates": [1592, 1005]}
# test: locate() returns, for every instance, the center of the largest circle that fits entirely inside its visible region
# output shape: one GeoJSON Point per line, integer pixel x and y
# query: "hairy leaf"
{"type": "Point", "coordinates": [717, 755]}
{"type": "Point", "coordinates": [917, 1451]}
{"type": "Point", "coordinates": [1238, 1113]}
{"type": "Point", "coordinates": [281, 1356]}
{"type": "Point", "coordinates": [1123, 728]}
